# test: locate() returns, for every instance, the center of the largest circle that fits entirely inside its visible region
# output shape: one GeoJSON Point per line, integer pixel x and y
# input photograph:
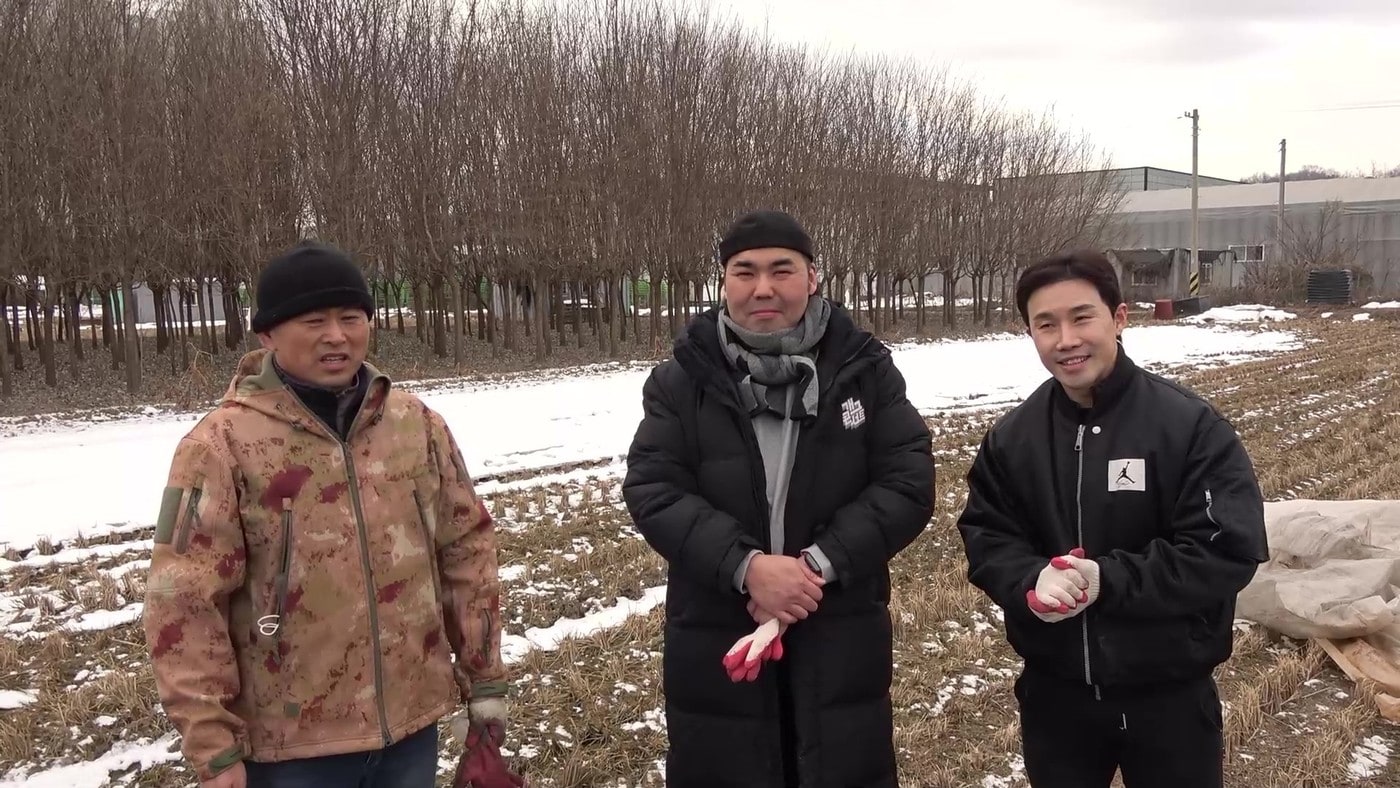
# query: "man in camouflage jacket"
{"type": "Point", "coordinates": [320, 559]}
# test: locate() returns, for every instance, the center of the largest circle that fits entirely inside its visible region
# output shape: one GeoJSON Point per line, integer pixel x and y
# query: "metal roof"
{"type": "Point", "coordinates": [1258, 195]}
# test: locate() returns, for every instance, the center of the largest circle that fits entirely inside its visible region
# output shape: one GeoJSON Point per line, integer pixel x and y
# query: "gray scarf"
{"type": "Point", "coordinates": [772, 361]}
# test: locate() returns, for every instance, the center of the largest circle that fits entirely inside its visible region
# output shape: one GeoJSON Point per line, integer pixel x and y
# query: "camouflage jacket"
{"type": "Point", "coordinates": [307, 595]}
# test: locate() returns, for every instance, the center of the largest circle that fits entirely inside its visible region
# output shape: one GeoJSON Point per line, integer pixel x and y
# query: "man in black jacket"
{"type": "Point", "coordinates": [1114, 516]}
{"type": "Point", "coordinates": [778, 468]}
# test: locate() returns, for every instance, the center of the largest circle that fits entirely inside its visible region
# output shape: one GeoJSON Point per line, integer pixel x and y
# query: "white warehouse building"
{"type": "Point", "coordinates": [1361, 214]}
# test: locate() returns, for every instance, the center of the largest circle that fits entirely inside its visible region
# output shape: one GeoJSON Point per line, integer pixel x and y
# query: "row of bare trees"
{"type": "Point", "coordinates": [501, 169]}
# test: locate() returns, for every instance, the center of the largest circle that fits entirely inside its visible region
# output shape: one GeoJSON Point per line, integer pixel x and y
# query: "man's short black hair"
{"type": "Point", "coordinates": [1087, 264]}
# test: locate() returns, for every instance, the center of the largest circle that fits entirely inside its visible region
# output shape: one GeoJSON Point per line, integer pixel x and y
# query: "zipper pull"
{"type": "Point", "coordinates": [1079, 439]}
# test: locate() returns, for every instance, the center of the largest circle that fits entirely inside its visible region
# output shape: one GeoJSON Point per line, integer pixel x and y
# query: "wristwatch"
{"type": "Point", "coordinates": [812, 563]}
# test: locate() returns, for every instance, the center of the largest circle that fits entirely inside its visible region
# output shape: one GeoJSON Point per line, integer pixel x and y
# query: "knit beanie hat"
{"type": "Point", "coordinates": [760, 229]}
{"type": "Point", "coordinates": [308, 277]}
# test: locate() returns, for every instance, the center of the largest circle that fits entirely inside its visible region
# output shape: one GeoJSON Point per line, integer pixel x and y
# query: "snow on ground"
{"type": "Point", "coordinates": [17, 699]}
{"type": "Point", "coordinates": [1379, 305]}
{"type": "Point", "coordinates": [65, 478]}
{"type": "Point", "coordinates": [144, 754]}
{"type": "Point", "coordinates": [1369, 758]}
{"type": "Point", "coordinates": [515, 647]}
{"type": "Point", "coordinates": [1360, 316]}
{"type": "Point", "coordinates": [1240, 313]}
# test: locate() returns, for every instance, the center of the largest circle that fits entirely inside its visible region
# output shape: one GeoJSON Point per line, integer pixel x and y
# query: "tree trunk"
{"type": "Point", "coordinates": [75, 319]}
{"type": "Point", "coordinates": [204, 328]}
{"type": "Point", "coordinates": [108, 316]}
{"type": "Point", "coordinates": [92, 318]}
{"type": "Point", "coordinates": [440, 318]}
{"type": "Point", "coordinates": [654, 297]}
{"type": "Point", "coordinates": [491, 330]}
{"type": "Point", "coordinates": [133, 339]}
{"type": "Point", "coordinates": [636, 311]}
{"type": "Point", "coordinates": [7, 386]}
{"type": "Point", "coordinates": [118, 328]}
{"type": "Point", "coordinates": [46, 349]}
{"type": "Point", "coordinates": [919, 302]}
{"type": "Point", "coordinates": [459, 322]}
{"type": "Point", "coordinates": [614, 314]}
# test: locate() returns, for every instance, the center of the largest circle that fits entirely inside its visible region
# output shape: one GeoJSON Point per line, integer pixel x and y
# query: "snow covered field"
{"type": "Point", "coordinates": [99, 482]}
{"type": "Point", "coordinates": [60, 479]}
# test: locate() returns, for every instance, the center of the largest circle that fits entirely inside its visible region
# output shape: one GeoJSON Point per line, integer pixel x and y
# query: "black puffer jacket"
{"type": "Point", "coordinates": [862, 490]}
{"type": "Point", "coordinates": [1158, 489]}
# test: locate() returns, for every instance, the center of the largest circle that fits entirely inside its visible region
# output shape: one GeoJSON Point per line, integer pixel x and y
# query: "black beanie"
{"type": "Point", "coordinates": [759, 229]}
{"type": "Point", "coordinates": [308, 277]}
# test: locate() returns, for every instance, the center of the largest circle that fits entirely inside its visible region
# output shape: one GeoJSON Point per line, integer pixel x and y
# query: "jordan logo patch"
{"type": "Point", "coordinates": [1124, 475]}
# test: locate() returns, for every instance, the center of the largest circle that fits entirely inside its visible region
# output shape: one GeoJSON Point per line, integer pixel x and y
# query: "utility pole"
{"type": "Point", "coordinates": [1282, 176]}
{"type": "Point", "coordinates": [1195, 280]}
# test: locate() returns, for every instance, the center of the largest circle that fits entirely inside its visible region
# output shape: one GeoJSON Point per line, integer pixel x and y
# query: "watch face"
{"type": "Point", "coordinates": [811, 563]}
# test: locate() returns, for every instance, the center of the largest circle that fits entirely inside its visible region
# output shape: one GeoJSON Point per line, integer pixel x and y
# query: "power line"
{"type": "Point", "coordinates": [1351, 107]}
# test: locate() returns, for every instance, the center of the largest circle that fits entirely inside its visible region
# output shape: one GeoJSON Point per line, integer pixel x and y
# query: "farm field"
{"type": "Point", "coordinates": [1316, 399]}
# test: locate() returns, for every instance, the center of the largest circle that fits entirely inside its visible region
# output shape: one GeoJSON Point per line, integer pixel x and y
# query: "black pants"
{"type": "Point", "coordinates": [1164, 737]}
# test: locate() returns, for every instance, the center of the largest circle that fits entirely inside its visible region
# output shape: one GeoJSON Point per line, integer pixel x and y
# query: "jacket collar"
{"type": "Point", "coordinates": [1106, 394]}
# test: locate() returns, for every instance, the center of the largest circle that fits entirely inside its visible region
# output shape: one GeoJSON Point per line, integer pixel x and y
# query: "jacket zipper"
{"type": "Point", "coordinates": [1210, 516]}
{"type": "Point", "coordinates": [1079, 529]}
{"type": "Point", "coordinates": [284, 573]}
{"type": "Point", "coordinates": [182, 541]}
{"type": "Point", "coordinates": [369, 588]}
{"type": "Point", "coordinates": [351, 478]}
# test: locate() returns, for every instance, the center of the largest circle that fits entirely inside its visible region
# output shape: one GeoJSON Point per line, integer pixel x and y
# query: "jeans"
{"type": "Point", "coordinates": [1163, 737]}
{"type": "Point", "coordinates": [411, 763]}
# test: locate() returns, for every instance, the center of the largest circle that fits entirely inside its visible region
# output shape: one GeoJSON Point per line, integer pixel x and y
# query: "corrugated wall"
{"type": "Point", "coordinates": [1377, 225]}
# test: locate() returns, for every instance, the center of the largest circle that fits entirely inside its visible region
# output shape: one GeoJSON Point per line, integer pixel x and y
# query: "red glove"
{"type": "Point", "coordinates": [744, 659]}
{"type": "Point", "coordinates": [482, 766]}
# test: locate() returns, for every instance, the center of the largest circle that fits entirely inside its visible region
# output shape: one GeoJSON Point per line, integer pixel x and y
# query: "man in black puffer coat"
{"type": "Point", "coordinates": [778, 468]}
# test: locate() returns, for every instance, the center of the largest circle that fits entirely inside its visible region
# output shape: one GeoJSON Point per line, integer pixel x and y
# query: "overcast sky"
{"type": "Point", "coordinates": [1125, 70]}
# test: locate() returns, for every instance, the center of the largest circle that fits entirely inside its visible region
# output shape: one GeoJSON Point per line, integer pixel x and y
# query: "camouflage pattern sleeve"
{"type": "Point", "coordinates": [197, 562]}
{"type": "Point", "coordinates": [467, 563]}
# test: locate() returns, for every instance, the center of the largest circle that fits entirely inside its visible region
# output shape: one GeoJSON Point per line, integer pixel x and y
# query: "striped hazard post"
{"type": "Point", "coordinates": [1195, 283]}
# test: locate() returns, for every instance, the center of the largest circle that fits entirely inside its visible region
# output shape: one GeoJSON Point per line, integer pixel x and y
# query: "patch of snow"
{"type": "Point", "coordinates": [1360, 316]}
{"type": "Point", "coordinates": [515, 647]}
{"type": "Point", "coordinates": [17, 699]}
{"type": "Point", "coordinates": [652, 719]}
{"type": "Point", "coordinates": [77, 555]}
{"type": "Point", "coordinates": [1017, 776]}
{"type": "Point", "coordinates": [1369, 758]}
{"type": "Point", "coordinates": [104, 619]}
{"type": "Point", "coordinates": [94, 773]}
{"type": "Point", "coordinates": [1326, 314]}
{"type": "Point", "coordinates": [1379, 305]}
{"type": "Point", "coordinates": [1240, 313]}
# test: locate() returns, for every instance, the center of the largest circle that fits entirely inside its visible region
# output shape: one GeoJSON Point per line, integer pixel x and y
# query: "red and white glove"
{"type": "Point", "coordinates": [746, 657]}
{"type": "Point", "coordinates": [1060, 591]}
{"type": "Point", "coordinates": [1088, 570]}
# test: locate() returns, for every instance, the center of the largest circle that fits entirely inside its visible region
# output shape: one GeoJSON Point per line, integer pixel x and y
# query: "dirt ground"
{"type": "Point", "coordinates": [1320, 422]}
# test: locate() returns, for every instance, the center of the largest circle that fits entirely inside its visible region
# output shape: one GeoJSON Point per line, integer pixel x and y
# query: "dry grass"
{"type": "Point", "coordinates": [1318, 422]}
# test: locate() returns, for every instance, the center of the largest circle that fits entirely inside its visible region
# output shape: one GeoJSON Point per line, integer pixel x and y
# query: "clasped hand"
{"type": "Point", "coordinates": [783, 587]}
{"type": "Point", "coordinates": [782, 591]}
{"type": "Point", "coordinates": [1065, 587]}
